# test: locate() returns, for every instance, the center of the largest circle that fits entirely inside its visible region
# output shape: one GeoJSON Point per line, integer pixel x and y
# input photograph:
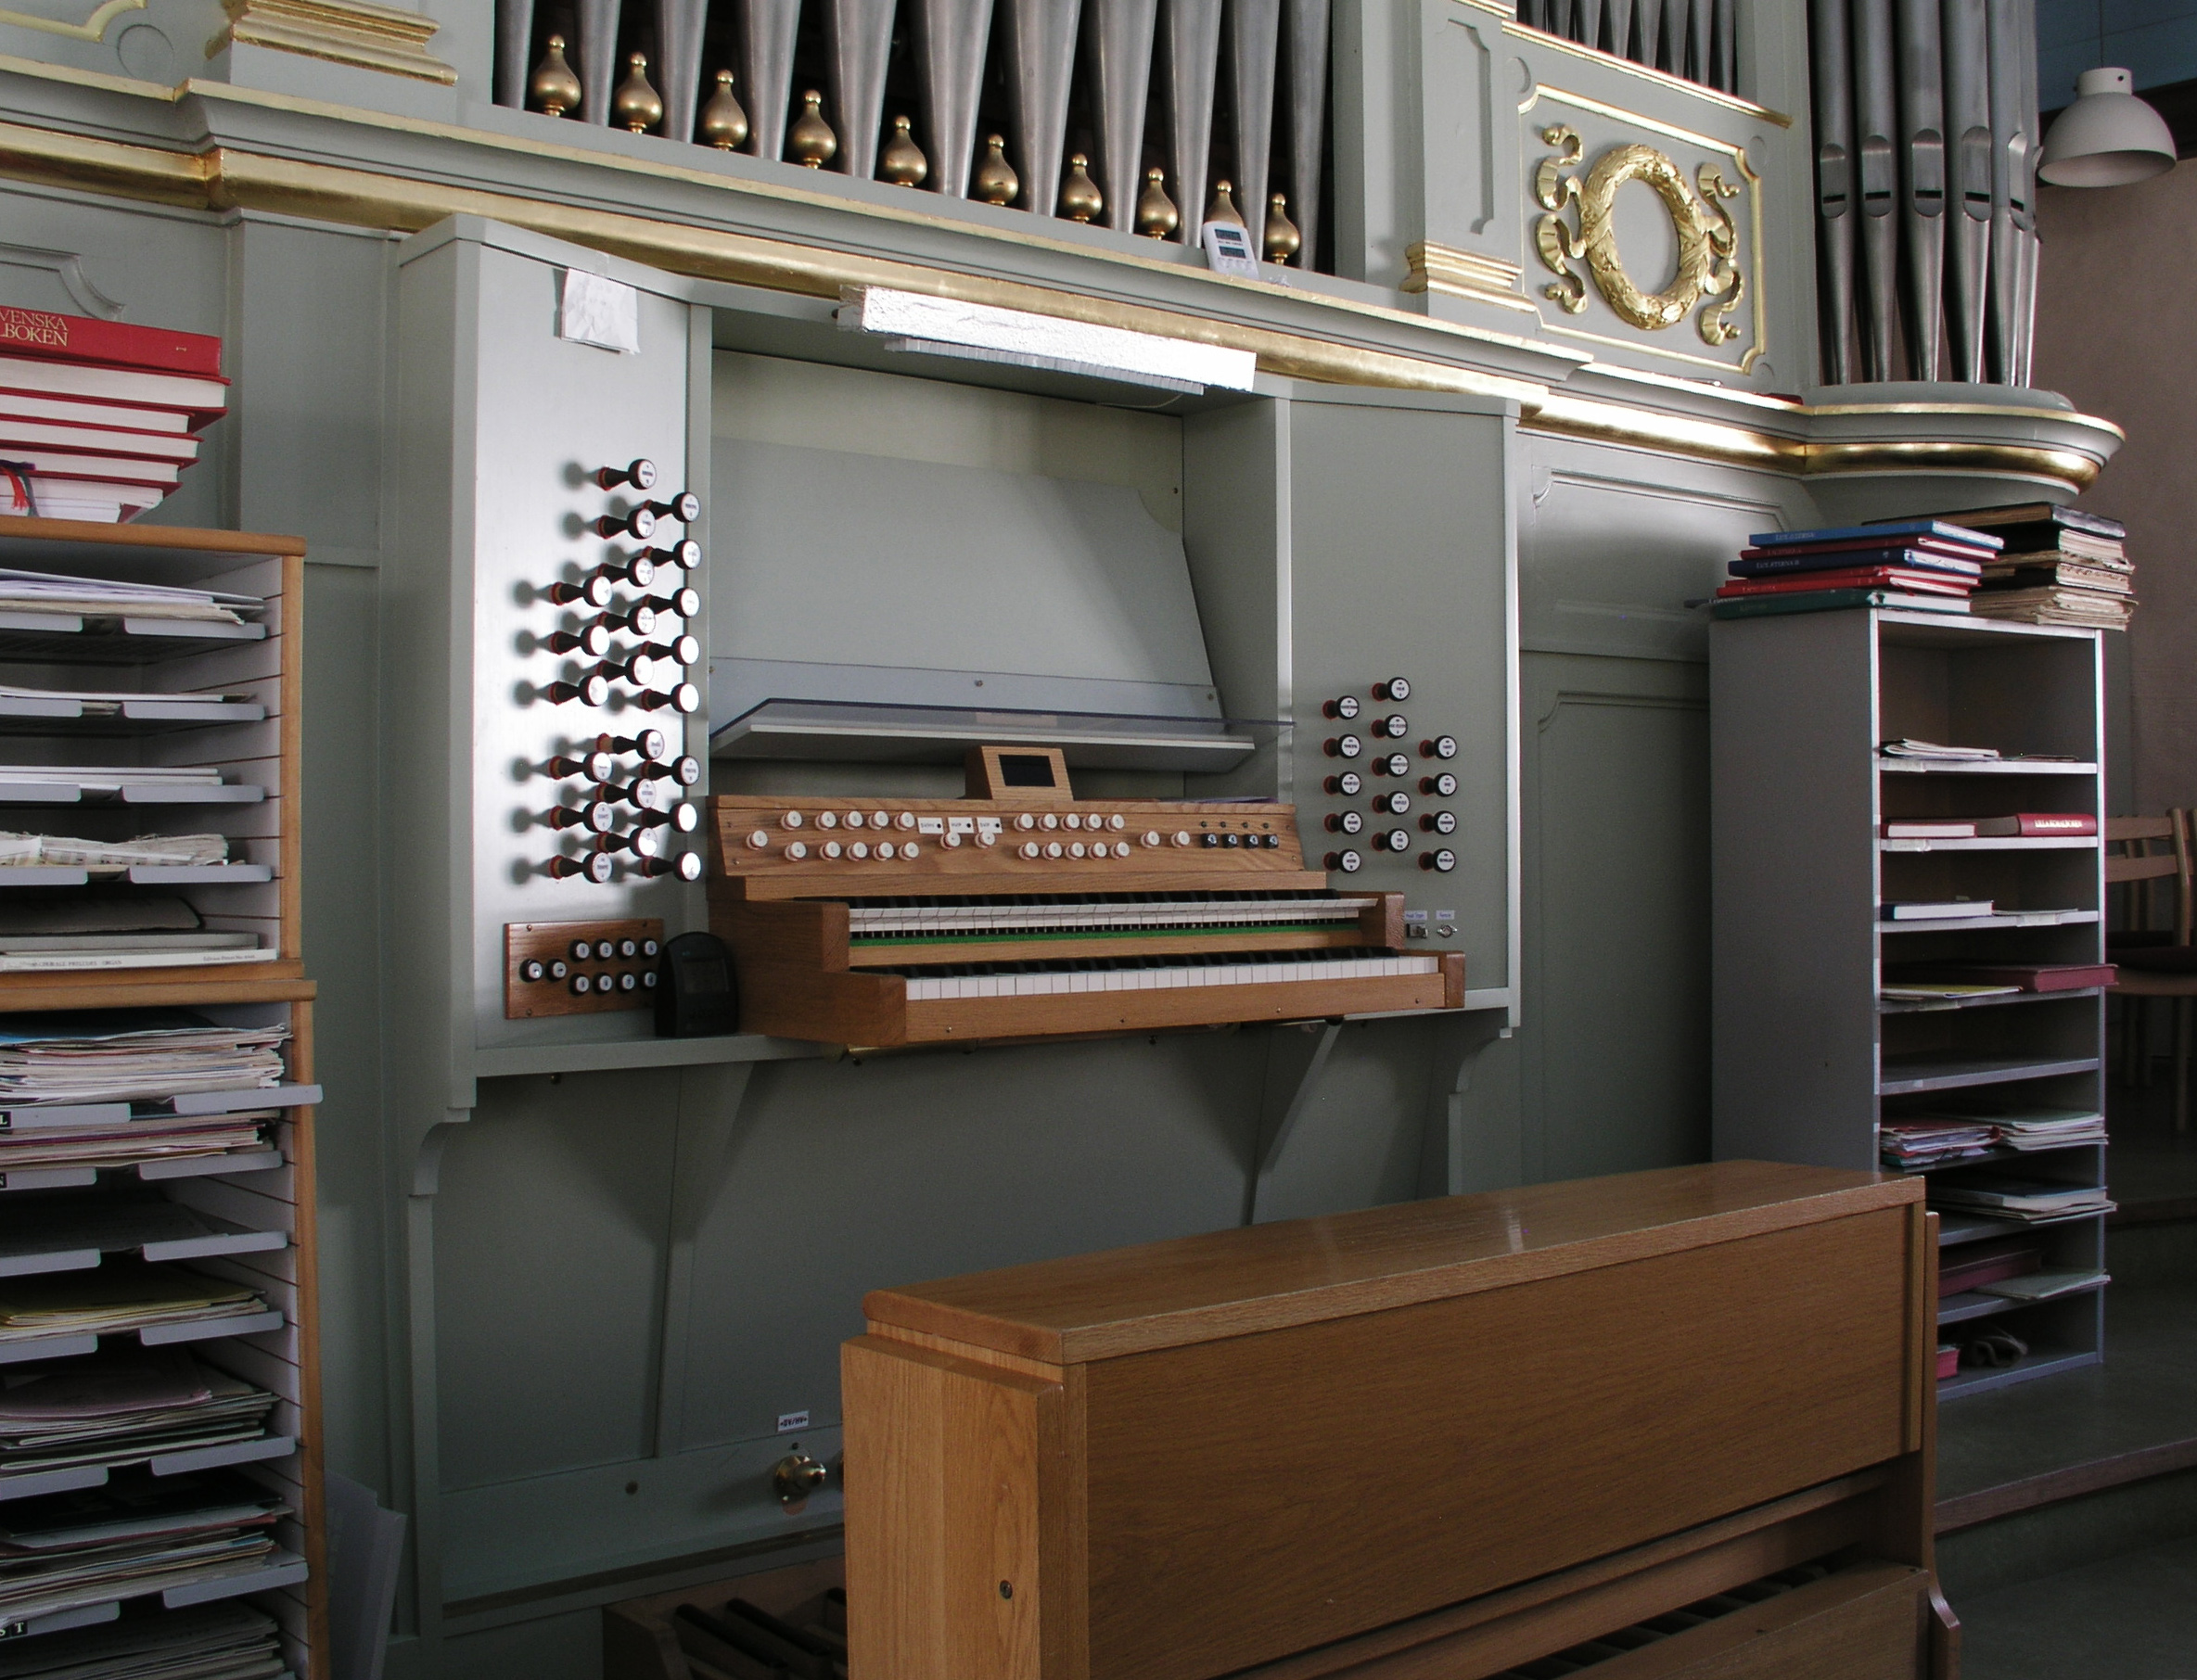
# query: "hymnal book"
{"type": "Point", "coordinates": [1760, 563]}
{"type": "Point", "coordinates": [36, 332]}
{"type": "Point", "coordinates": [1908, 747]}
{"type": "Point", "coordinates": [2038, 825]}
{"type": "Point", "coordinates": [2043, 1286]}
{"type": "Point", "coordinates": [2016, 515]}
{"type": "Point", "coordinates": [2106, 551]}
{"type": "Point", "coordinates": [46, 463]}
{"type": "Point", "coordinates": [1878, 577]}
{"type": "Point", "coordinates": [94, 500]}
{"type": "Point", "coordinates": [2026, 976]}
{"type": "Point", "coordinates": [2060, 574]}
{"type": "Point", "coordinates": [1943, 530]}
{"type": "Point", "coordinates": [68, 411]}
{"type": "Point", "coordinates": [1968, 1268]}
{"type": "Point", "coordinates": [1836, 600]}
{"type": "Point", "coordinates": [18, 435]}
{"type": "Point", "coordinates": [1949, 909]}
{"type": "Point", "coordinates": [1928, 830]}
{"type": "Point", "coordinates": [202, 399]}
{"type": "Point", "coordinates": [1965, 554]}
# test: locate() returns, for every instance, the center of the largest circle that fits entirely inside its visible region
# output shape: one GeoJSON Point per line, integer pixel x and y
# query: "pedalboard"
{"type": "Point", "coordinates": [581, 968]}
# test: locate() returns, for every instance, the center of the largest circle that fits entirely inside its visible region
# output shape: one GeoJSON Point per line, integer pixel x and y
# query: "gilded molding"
{"type": "Point", "coordinates": [1526, 31]}
{"type": "Point", "coordinates": [342, 31]}
{"type": "Point", "coordinates": [93, 28]}
{"type": "Point", "coordinates": [1430, 267]}
{"type": "Point", "coordinates": [228, 178]}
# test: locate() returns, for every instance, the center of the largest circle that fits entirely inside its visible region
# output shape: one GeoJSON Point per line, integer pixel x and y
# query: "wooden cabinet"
{"type": "Point", "coordinates": [1344, 1435]}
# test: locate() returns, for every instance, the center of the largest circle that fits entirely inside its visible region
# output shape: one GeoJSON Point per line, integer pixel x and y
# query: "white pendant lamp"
{"type": "Point", "coordinates": [2108, 137]}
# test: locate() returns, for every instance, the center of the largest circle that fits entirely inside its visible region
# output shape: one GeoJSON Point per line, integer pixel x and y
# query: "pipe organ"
{"type": "Point", "coordinates": [1927, 144]}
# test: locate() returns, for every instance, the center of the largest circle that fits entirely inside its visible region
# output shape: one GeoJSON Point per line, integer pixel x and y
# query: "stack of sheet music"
{"type": "Point", "coordinates": [17, 699]}
{"type": "Point", "coordinates": [227, 1641]}
{"type": "Point", "coordinates": [131, 1537]}
{"type": "Point", "coordinates": [132, 1055]}
{"type": "Point", "coordinates": [119, 1295]}
{"type": "Point", "coordinates": [121, 1408]}
{"type": "Point", "coordinates": [64, 596]}
{"type": "Point", "coordinates": [1952, 1131]}
{"type": "Point", "coordinates": [112, 857]}
{"type": "Point", "coordinates": [1915, 564]}
{"type": "Point", "coordinates": [2060, 566]}
{"type": "Point", "coordinates": [1912, 1144]}
{"type": "Point", "coordinates": [122, 1144]}
{"type": "Point", "coordinates": [2029, 1200]}
{"type": "Point", "coordinates": [115, 926]}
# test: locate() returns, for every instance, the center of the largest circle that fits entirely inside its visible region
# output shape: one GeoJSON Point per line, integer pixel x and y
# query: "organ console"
{"type": "Point", "coordinates": [1013, 913]}
{"type": "Point", "coordinates": [1517, 1435]}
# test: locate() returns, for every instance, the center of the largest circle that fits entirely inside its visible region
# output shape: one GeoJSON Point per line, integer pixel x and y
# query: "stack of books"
{"type": "Point", "coordinates": [1917, 565]}
{"type": "Point", "coordinates": [97, 419]}
{"type": "Point", "coordinates": [2059, 567]}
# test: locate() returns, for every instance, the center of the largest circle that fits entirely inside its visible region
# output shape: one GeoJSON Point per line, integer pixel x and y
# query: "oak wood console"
{"type": "Point", "coordinates": [1445, 1437]}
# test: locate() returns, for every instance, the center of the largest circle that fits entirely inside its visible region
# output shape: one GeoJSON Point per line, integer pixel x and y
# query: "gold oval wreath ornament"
{"type": "Point", "coordinates": [1706, 238]}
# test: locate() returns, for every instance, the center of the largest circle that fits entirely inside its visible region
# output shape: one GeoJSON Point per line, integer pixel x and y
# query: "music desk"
{"type": "Point", "coordinates": [1445, 1438]}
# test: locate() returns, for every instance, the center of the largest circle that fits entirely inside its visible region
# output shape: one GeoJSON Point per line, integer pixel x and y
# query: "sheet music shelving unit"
{"type": "Point", "coordinates": [1807, 1057]}
{"type": "Point", "coordinates": [237, 707]}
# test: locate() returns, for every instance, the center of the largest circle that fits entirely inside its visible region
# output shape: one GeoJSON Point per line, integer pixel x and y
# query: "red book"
{"type": "Point", "coordinates": [2036, 825]}
{"type": "Point", "coordinates": [33, 332]}
{"type": "Point", "coordinates": [1869, 577]}
{"type": "Point", "coordinates": [197, 399]}
{"type": "Point", "coordinates": [2030, 976]}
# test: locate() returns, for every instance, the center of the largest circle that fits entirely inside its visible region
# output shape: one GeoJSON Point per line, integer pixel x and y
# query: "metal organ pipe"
{"type": "Point", "coordinates": [766, 59]}
{"type": "Point", "coordinates": [1876, 118]}
{"type": "Point", "coordinates": [1040, 56]}
{"type": "Point", "coordinates": [1833, 92]}
{"type": "Point", "coordinates": [1968, 158]}
{"type": "Point", "coordinates": [1118, 39]}
{"type": "Point", "coordinates": [598, 57]}
{"type": "Point", "coordinates": [860, 37]}
{"type": "Point", "coordinates": [1193, 29]}
{"type": "Point", "coordinates": [1255, 38]}
{"type": "Point", "coordinates": [2009, 146]}
{"type": "Point", "coordinates": [1923, 181]}
{"type": "Point", "coordinates": [1308, 112]}
{"type": "Point", "coordinates": [949, 39]}
{"type": "Point", "coordinates": [2024, 17]}
{"type": "Point", "coordinates": [679, 67]}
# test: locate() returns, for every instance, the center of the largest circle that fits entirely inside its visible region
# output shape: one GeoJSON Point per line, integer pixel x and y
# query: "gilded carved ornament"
{"type": "Point", "coordinates": [1706, 238]}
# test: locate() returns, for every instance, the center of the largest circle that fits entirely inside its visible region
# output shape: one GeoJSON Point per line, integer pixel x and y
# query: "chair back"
{"type": "Point", "coordinates": [2142, 852]}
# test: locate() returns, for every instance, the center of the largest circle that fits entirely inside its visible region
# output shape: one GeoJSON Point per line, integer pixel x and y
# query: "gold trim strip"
{"type": "Point", "coordinates": [1431, 267]}
{"type": "Point", "coordinates": [1737, 446]}
{"type": "Point", "coordinates": [1526, 31]}
{"type": "Point", "coordinates": [93, 28]}
{"type": "Point", "coordinates": [230, 179]}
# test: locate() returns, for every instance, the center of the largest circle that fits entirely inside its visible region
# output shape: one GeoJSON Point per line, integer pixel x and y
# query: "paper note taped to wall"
{"type": "Point", "coordinates": [593, 310]}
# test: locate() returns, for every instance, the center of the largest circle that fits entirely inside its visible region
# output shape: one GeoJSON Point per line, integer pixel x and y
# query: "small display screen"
{"type": "Point", "coordinates": [1026, 769]}
{"type": "Point", "coordinates": [700, 977]}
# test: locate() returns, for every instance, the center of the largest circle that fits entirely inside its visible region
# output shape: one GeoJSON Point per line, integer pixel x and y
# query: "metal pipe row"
{"type": "Point", "coordinates": [1693, 39]}
{"type": "Point", "coordinates": [1926, 125]}
{"type": "Point", "coordinates": [1096, 57]}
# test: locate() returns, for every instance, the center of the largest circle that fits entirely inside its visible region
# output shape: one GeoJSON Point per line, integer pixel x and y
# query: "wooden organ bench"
{"type": "Point", "coordinates": [1676, 1423]}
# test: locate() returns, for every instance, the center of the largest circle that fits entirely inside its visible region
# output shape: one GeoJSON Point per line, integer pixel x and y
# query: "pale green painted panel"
{"type": "Point", "coordinates": [1615, 1035]}
{"type": "Point", "coordinates": [850, 1175]}
{"type": "Point", "coordinates": [550, 1235]}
